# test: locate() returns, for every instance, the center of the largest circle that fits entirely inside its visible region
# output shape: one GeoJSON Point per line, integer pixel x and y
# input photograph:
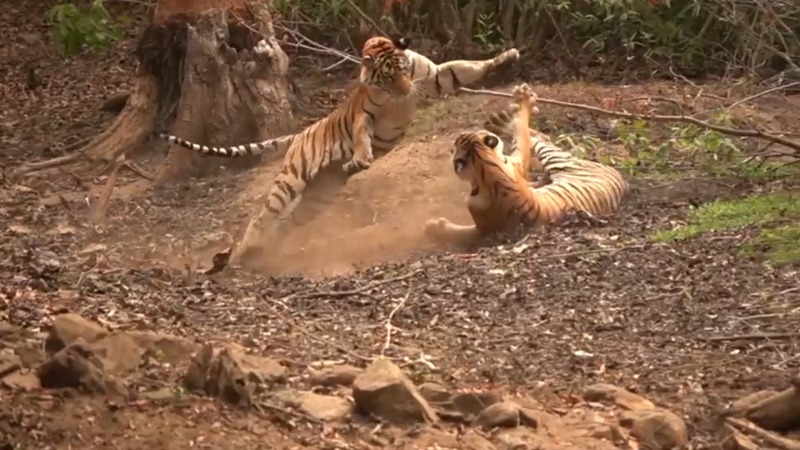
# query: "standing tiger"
{"type": "Point", "coordinates": [374, 117]}
{"type": "Point", "coordinates": [501, 197]}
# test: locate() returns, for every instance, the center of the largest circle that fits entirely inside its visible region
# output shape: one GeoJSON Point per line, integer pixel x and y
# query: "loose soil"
{"type": "Point", "coordinates": [568, 305]}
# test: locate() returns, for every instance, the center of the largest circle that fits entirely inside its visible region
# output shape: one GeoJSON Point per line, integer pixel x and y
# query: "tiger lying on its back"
{"type": "Point", "coordinates": [375, 116]}
{"type": "Point", "coordinates": [501, 197]}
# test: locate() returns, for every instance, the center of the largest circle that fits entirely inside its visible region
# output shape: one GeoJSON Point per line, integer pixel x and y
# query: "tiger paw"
{"type": "Point", "coordinates": [355, 165]}
{"type": "Point", "coordinates": [523, 94]}
{"type": "Point", "coordinates": [507, 57]}
{"type": "Point", "coordinates": [434, 227]}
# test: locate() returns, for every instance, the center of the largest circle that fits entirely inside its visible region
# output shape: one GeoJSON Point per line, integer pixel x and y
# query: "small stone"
{"type": "Point", "coordinates": [434, 393]}
{"type": "Point", "coordinates": [741, 406]}
{"type": "Point", "coordinates": [67, 328]}
{"type": "Point", "coordinates": [230, 374]}
{"type": "Point", "coordinates": [325, 407]}
{"type": "Point", "coordinates": [22, 381]}
{"type": "Point", "coordinates": [339, 375]}
{"type": "Point", "coordinates": [609, 393]}
{"type": "Point", "coordinates": [656, 429]}
{"type": "Point", "coordinates": [472, 403]}
{"type": "Point", "coordinates": [76, 366]}
{"type": "Point", "coordinates": [384, 390]}
{"type": "Point", "coordinates": [164, 347]}
{"type": "Point", "coordinates": [474, 441]}
{"type": "Point", "coordinates": [159, 395]}
{"type": "Point", "coordinates": [9, 362]}
{"type": "Point", "coordinates": [119, 353]}
{"type": "Point", "coordinates": [503, 414]}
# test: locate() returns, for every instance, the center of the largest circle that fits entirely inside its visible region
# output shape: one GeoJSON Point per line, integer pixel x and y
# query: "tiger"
{"type": "Point", "coordinates": [375, 116]}
{"type": "Point", "coordinates": [502, 198]}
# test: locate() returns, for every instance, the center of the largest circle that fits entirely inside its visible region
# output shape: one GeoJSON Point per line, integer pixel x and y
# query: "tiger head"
{"type": "Point", "coordinates": [471, 149]}
{"type": "Point", "coordinates": [385, 65]}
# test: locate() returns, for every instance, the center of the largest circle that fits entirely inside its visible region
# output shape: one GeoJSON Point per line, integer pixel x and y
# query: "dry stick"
{"type": "Point", "coordinates": [364, 16]}
{"type": "Point", "coordinates": [652, 117]}
{"type": "Point", "coordinates": [394, 310]}
{"type": "Point", "coordinates": [752, 337]}
{"type": "Point", "coordinates": [357, 291]}
{"type": "Point", "coordinates": [99, 209]}
{"type": "Point", "coordinates": [772, 438]}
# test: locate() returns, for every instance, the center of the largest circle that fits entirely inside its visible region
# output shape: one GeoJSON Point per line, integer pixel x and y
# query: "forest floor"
{"type": "Point", "coordinates": [691, 324]}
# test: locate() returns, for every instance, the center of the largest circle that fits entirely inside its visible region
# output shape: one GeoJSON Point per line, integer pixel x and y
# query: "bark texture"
{"type": "Point", "coordinates": [211, 71]}
{"type": "Point", "coordinates": [234, 88]}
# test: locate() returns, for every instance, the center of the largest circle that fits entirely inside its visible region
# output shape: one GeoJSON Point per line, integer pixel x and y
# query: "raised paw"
{"type": "Point", "coordinates": [434, 227]}
{"type": "Point", "coordinates": [355, 165]}
{"type": "Point", "coordinates": [523, 94]}
{"type": "Point", "coordinates": [508, 56]}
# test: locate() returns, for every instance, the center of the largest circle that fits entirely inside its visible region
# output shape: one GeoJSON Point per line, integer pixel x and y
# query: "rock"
{"type": "Point", "coordinates": [118, 352]}
{"type": "Point", "coordinates": [474, 441]}
{"type": "Point", "coordinates": [609, 393]}
{"type": "Point", "coordinates": [523, 438]}
{"type": "Point", "coordinates": [9, 362]}
{"type": "Point", "coordinates": [433, 438]}
{"type": "Point", "coordinates": [740, 407]}
{"type": "Point", "coordinates": [384, 390]}
{"type": "Point", "coordinates": [230, 374]}
{"type": "Point", "coordinates": [472, 403]}
{"type": "Point", "coordinates": [325, 407]}
{"type": "Point", "coordinates": [76, 366]}
{"type": "Point", "coordinates": [434, 393]}
{"type": "Point", "coordinates": [27, 381]}
{"type": "Point", "coordinates": [656, 429]}
{"type": "Point", "coordinates": [503, 414]}
{"type": "Point", "coordinates": [67, 328]}
{"type": "Point", "coordinates": [164, 394]}
{"type": "Point", "coordinates": [340, 375]}
{"type": "Point", "coordinates": [164, 347]}
{"type": "Point", "coordinates": [30, 352]}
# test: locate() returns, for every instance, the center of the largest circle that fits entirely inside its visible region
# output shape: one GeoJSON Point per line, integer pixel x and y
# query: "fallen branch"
{"type": "Point", "coordinates": [652, 117]}
{"type": "Point", "coordinates": [388, 342]}
{"type": "Point", "coordinates": [773, 439]}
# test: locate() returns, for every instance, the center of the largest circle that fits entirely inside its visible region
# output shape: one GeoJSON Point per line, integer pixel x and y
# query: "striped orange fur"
{"type": "Point", "coordinates": [502, 198]}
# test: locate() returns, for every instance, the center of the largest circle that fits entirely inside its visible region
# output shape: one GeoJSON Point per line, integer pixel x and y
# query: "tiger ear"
{"type": "Point", "coordinates": [368, 61]}
{"type": "Point", "coordinates": [402, 43]}
{"type": "Point", "coordinates": [491, 141]}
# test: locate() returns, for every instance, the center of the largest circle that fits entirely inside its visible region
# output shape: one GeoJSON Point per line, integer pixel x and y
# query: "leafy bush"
{"type": "Point", "coordinates": [74, 29]}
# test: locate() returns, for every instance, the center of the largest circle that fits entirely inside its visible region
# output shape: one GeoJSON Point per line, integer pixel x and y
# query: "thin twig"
{"type": "Point", "coordinates": [762, 93]}
{"type": "Point", "coordinates": [364, 16]}
{"type": "Point", "coordinates": [752, 337]}
{"type": "Point", "coordinates": [652, 117]}
{"type": "Point", "coordinates": [394, 310]}
{"type": "Point", "coordinates": [357, 291]}
{"type": "Point", "coordinates": [289, 412]}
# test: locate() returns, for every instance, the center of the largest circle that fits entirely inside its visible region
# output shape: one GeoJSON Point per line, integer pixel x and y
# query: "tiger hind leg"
{"type": "Point", "coordinates": [443, 231]}
{"type": "Point", "coordinates": [576, 217]}
{"type": "Point", "coordinates": [451, 75]}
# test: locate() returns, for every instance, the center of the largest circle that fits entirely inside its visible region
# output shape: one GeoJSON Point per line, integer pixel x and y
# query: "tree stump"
{"type": "Point", "coordinates": [211, 71]}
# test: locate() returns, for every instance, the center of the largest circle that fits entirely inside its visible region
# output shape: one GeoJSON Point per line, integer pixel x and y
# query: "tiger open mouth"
{"type": "Point", "coordinates": [459, 164]}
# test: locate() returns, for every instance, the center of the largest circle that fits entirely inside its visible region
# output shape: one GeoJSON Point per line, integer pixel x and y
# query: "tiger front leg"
{"type": "Point", "coordinates": [362, 146]}
{"type": "Point", "coordinates": [445, 232]}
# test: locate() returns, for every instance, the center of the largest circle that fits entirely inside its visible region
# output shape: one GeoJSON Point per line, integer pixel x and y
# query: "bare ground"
{"type": "Point", "coordinates": [683, 324]}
